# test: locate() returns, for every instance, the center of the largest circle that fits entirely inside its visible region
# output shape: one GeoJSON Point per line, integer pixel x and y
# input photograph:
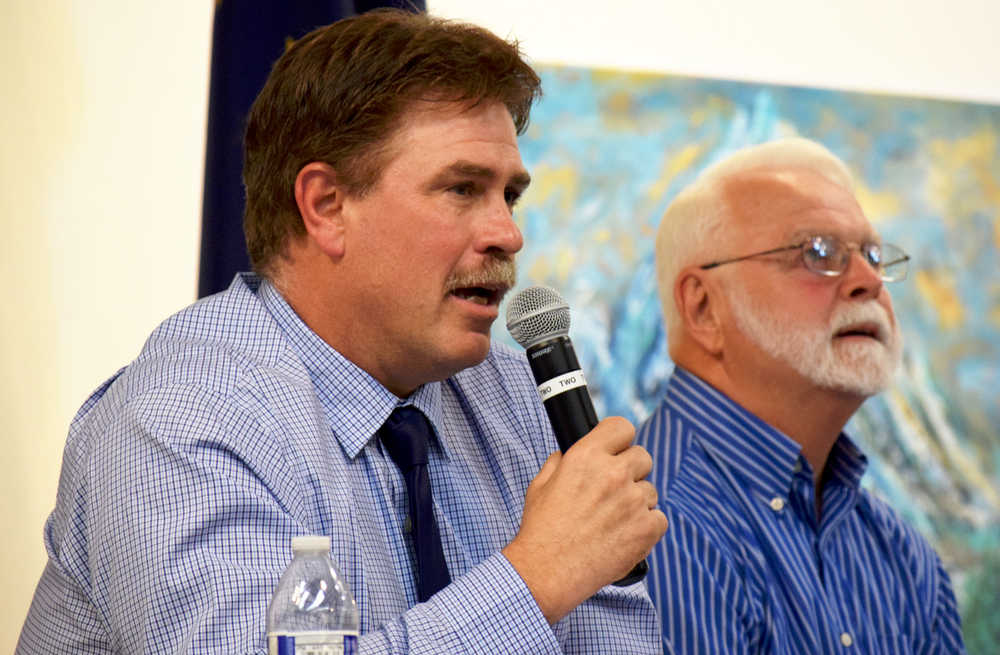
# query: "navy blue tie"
{"type": "Point", "coordinates": [405, 435]}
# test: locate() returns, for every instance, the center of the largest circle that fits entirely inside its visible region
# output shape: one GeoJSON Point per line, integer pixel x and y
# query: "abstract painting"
{"type": "Point", "coordinates": [608, 151]}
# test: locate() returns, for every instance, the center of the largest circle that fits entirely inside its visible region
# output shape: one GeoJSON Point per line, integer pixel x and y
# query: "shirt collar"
{"type": "Point", "coordinates": [847, 464]}
{"type": "Point", "coordinates": [356, 404]}
{"type": "Point", "coordinates": [762, 456]}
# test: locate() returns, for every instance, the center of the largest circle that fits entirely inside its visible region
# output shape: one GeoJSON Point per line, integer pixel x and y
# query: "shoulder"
{"type": "Point", "coordinates": [704, 513]}
{"type": "Point", "coordinates": [668, 438]}
{"type": "Point", "coordinates": [922, 583]}
{"type": "Point", "coordinates": [215, 401]}
{"type": "Point", "coordinates": [708, 523]}
{"type": "Point", "coordinates": [688, 481]}
{"type": "Point", "coordinates": [219, 366]}
{"type": "Point", "coordinates": [232, 329]}
{"type": "Point", "coordinates": [218, 344]}
{"type": "Point", "coordinates": [704, 584]}
{"type": "Point", "coordinates": [900, 541]}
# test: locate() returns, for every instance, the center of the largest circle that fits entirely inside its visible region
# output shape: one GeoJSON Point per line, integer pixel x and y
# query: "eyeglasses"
{"type": "Point", "coordinates": [828, 255]}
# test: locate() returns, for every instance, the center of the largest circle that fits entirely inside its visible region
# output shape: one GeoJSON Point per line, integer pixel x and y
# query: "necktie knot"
{"type": "Point", "coordinates": [405, 435]}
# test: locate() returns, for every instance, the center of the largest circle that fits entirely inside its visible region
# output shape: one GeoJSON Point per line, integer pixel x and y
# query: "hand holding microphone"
{"type": "Point", "coordinates": [600, 482]}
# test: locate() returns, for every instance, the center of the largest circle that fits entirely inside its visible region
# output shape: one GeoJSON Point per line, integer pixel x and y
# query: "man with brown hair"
{"type": "Point", "coordinates": [381, 170]}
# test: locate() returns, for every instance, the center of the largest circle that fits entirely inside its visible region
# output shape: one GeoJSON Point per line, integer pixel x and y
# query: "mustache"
{"type": "Point", "coordinates": [499, 272]}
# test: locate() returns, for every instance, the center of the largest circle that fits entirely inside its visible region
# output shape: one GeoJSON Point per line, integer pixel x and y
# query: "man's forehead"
{"type": "Point", "coordinates": [797, 200]}
{"type": "Point", "coordinates": [430, 110]}
{"type": "Point", "coordinates": [777, 184]}
{"type": "Point", "coordinates": [449, 122]}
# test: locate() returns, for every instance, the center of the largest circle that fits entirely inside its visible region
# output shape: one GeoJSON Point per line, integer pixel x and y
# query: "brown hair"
{"type": "Point", "coordinates": [337, 95]}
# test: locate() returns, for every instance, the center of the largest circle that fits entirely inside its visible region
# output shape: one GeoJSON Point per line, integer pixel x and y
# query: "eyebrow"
{"type": "Point", "coordinates": [799, 236]}
{"type": "Point", "coordinates": [520, 179]}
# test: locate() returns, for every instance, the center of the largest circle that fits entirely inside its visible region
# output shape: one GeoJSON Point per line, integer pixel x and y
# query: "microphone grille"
{"type": "Point", "coordinates": [537, 314]}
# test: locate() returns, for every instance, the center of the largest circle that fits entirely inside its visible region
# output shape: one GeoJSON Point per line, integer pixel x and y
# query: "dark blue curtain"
{"type": "Point", "coordinates": [248, 36]}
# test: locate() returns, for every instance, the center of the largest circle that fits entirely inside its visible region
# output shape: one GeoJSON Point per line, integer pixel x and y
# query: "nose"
{"type": "Point", "coordinates": [500, 234]}
{"type": "Point", "coordinates": [860, 280]}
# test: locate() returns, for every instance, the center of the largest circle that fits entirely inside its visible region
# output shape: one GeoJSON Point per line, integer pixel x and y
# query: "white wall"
{"type": "Point", "coordinates": [103, 113]}
{"type": "Point", "coordinates": [911, 47]}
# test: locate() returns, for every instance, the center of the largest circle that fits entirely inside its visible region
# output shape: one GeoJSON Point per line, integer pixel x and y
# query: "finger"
{"type": "Point", "coordinates": [662, 523]}
{"type": "Point", "coordinates": [649, 491]}
{"type": "Point", "coordinates": [639, 462]}
{"type": "Point", "coordinates": [658, 525]}
{"type": "Point", "coordinates": [612, 435]}
{"type": "Point", "coordinates": [634, 462]}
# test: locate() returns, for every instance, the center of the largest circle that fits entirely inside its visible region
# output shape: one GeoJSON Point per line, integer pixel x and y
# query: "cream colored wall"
{"type": "Point", "coordinates": [103, 117]}
{"type": "Point", "coordinates": [912, 47]}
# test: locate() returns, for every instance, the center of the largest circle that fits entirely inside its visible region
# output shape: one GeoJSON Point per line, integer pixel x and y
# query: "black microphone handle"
{"type": "Point", "coordinates": [571, 412]}
{"type": "Point", "coordinates": [572, 416]}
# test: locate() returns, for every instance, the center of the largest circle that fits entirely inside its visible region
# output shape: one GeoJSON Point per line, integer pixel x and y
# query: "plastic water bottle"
{"type": "Point", "coordinates": [312, 611]}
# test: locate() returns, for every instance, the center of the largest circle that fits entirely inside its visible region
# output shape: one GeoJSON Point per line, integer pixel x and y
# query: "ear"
{"type": "Point", "coordinates": [698, 304]}
{"type": "Point", "coordinates": [321, 202]}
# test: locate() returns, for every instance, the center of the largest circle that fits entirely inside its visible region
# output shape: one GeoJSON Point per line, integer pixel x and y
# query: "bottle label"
{"type": "Point", "coordinates": [342, 642]}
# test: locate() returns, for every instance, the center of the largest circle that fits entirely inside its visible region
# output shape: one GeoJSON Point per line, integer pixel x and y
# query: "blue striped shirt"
{"type": "Point", "coordinates": [186, 475]}
{"type": "Point", "coordinates": [746, 568]}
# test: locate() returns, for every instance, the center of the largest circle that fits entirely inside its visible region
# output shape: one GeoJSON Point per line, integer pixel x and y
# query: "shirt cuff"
{"type": "Point", "coordinates": [493, 611]}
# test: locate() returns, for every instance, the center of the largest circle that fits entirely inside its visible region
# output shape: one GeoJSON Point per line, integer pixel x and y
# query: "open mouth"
{"type": "Point", "coordinates": [485, 296]}
{"type": "Point", "coordinates": [869, 330]}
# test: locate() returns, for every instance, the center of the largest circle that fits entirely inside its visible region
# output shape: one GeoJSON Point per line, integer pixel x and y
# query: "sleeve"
{"type": "Point", "coordinates": [936, 627]}
{"type": "Point", "coordinates": [169, 535]}
{"type": "Point", "coordinates": [488, 610]}
{"type": "Point", "coordinates": [703, 602]}
{"type": "Point", "coordinates": [61, 620]}
{"type": "Point", "coordinates": [614, 620]}
{"type": "Point", "coordinates": [946, 628]}
{"type": "Point", "coordinates": [474, 615]}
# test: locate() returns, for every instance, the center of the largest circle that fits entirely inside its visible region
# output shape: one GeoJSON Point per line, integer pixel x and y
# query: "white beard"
{"type": "Point", "coordinates": [864, 367]}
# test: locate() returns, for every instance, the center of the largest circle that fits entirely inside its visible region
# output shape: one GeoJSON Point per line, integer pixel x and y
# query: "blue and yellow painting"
{"type": "Point", "coordinates": [608, 151]}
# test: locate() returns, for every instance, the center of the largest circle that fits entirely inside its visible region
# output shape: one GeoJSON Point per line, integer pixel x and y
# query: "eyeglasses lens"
{"type": "Point", "coordinates": [824, 255]}
{"type": "Point", "coordinates": [829, 255]}
{"type": "Point", "coordinates": [873, 253]}
{"type": "Point", "coordinates": [893, 263]}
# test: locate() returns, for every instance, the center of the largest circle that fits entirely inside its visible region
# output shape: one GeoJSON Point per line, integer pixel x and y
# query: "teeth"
{"type": "Point", "coordinates": [477, 296]}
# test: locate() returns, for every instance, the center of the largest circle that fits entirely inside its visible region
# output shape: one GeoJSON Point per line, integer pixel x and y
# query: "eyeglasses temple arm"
{"type": "Point", "coordinates": [705, 267]}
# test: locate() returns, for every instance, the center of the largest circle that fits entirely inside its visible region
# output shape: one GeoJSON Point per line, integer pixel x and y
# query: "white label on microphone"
{"type": "Point", "coordinates": [562, 383]}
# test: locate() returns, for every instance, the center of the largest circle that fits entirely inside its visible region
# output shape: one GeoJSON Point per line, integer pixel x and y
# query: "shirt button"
{"type": "Point", "coordinates": [407, 525]}
{"type": "Point", "coordinates": [846, 640]}
{"type": "Point", "coordinates": [777, 503]}
{"type": "Point", "coordinates": [797, 467]}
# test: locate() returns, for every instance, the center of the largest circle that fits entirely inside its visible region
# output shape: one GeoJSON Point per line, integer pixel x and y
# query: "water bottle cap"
{"type": "Point", "coordinates": [311, 543]}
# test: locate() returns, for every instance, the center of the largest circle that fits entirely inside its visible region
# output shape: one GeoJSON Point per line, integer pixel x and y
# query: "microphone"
{"type": "Point", "coordinates": [538, 319]}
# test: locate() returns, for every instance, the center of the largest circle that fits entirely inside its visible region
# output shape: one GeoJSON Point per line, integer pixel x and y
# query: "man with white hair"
{"type": "Point", "coordinates": [780, 326]}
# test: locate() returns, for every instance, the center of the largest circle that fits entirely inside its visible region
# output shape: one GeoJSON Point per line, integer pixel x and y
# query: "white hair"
{"type": "Point", "coordinates": [692, 226]}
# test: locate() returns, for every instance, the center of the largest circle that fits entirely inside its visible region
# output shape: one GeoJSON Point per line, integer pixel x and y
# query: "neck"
{"type": "Point", "coordinates": [811, 417]}
{"type": "Point", "coordinates": [306, 283]}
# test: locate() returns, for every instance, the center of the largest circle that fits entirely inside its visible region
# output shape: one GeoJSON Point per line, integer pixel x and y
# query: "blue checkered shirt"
{"type": "Point", "coordinates": [746, 568]}
{"type": "Point", "coordinates": [187, 474]}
